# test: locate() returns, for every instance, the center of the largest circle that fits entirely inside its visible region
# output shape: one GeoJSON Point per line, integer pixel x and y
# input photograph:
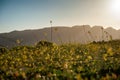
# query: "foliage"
{"type": "Point", "coordinates": [94, 61]}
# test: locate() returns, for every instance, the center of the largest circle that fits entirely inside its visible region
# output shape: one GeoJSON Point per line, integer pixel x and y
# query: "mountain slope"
{"type": "Point", "coordinates": [76, 34]}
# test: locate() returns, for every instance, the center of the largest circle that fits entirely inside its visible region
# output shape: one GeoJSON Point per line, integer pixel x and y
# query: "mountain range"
{"type": "Point", "coordinates": [59, 35]}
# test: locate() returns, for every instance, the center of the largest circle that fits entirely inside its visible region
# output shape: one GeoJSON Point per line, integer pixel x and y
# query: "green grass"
{"type": "Point", "coordinates": [94, 61]}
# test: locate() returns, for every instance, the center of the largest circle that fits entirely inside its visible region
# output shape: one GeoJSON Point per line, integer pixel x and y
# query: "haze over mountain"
{"type": "Point", "coordinates": [60, 34]}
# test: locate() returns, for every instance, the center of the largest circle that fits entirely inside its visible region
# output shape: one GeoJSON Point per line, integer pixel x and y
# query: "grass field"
{"type": "Point", "coordinates": [47, 61]}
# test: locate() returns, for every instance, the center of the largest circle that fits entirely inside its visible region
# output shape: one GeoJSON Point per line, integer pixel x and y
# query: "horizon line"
{"type": "Point", "coordinates": [59, 27]}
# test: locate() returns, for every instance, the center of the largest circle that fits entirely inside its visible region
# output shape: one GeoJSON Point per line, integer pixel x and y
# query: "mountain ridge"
{"type": "Point", "coordinates": [60, 34]}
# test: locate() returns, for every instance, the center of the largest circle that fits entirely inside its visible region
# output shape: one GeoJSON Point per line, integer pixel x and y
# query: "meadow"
{"type": "Point", "coordinates": [49, 61]}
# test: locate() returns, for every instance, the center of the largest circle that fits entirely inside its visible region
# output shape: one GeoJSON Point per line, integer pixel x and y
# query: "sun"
{"type": "Point", "coordinates": [115, 7]}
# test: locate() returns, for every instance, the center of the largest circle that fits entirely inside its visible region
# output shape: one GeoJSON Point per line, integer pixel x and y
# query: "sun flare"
{"type": "Point", "coordinates": [115, 7]}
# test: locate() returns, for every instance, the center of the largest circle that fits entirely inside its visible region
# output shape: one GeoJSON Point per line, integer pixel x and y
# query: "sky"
{"type": "Point", "coordinates": [36, 14]}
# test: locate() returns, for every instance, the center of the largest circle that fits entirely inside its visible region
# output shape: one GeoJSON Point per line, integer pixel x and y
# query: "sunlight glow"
{"type": "Point", "coordinates": [115, 7]}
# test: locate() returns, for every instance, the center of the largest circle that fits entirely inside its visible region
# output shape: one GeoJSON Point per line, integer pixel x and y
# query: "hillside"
{"type": "Point", "coordinates": [76, 34]}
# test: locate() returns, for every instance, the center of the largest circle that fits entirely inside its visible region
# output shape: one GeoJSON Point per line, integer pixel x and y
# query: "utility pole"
{"type": "Point", "coordinates": [51, 29]}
